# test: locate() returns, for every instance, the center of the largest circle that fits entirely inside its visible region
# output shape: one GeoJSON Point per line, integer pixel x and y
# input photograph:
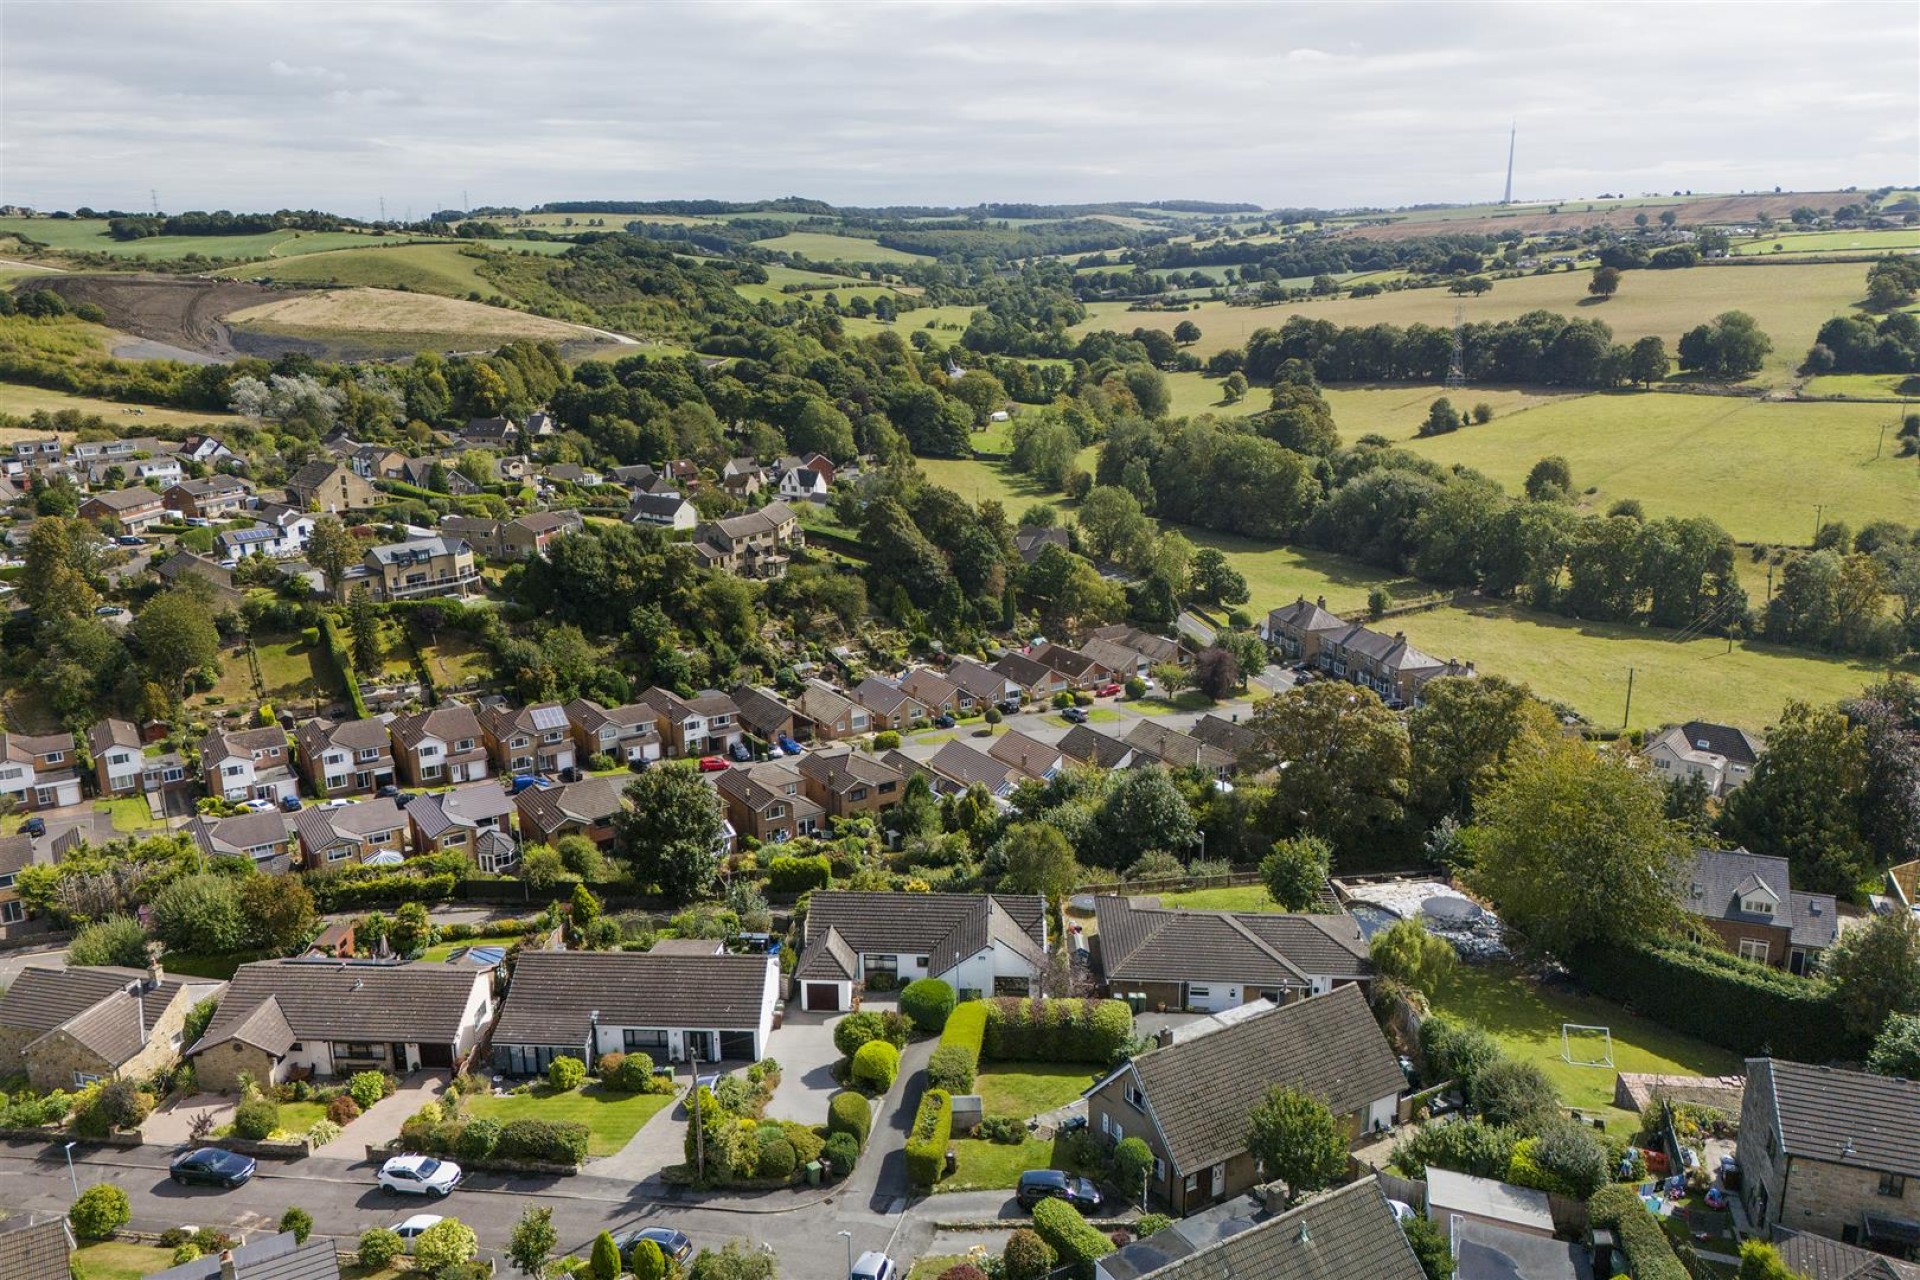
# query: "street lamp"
{"type": "Point", "coordinates": [71, 1175]}
{"type": "Point", "coordinates": [844, 1235]}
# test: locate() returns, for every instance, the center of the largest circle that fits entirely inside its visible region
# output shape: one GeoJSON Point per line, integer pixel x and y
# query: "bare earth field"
{"type": "Point", "coordinates": [387, 310]}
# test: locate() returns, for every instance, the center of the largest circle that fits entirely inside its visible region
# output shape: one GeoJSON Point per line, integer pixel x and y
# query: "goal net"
{"type": "Point", "coordinates": [1584, 1046]}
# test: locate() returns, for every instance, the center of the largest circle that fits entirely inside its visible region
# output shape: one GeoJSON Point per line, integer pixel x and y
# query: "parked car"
{"type": "Point", "coordinates": [522, 781]}
{"type": "Point", "coordinates": [34, 826]}
{"type": "Point", "coordinates": [1010, 705]}
{"type": "Point", "coordinates": [674, 1245]}
{"type": "Point", "coordinates": [387, 792]}
{"type": "Point", "coordinates": [791, 747]}
{"type": "Point", "coordinates": [419, 1176]}
{"type": "Point", "coordinates": [1074, 715]}
{"type": "Point", "coordinates": [258, 804]}
{"type": "Point", "coordinates": [290, 804]}
{"type": "Point", "coordinates": [411, 1229]}
{"type": "Point", "coordinates": [1042, 1184]}
{"type": "Point", "coordinates": [130, 540]}
{"type": "Point", "coordinates": [211, 1167]}
{"type": "Point", "coordinates": [712, 764]}
{"type": "Point", "coordinates": [1108, 691]}
{"type": "Point", "coordinates": [873, 1266]}
{"type": "Point", "coordinates": [943, 721]}
{"type": "Point", "coordinates": [740, 751]}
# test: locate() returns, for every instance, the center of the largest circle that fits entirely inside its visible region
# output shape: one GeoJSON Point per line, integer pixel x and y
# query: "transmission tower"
{"type": "Point", "coordinates": [155, 196]}
{"type": "Point", "coordinates": [1457, 362]}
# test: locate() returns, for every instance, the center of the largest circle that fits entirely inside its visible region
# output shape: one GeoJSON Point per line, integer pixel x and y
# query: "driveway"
{"type": "Point", "coordinates": [659, 1144]}
{"type": "Point", "coordinates": [804, 1048]}
{"type": "Point", "coordinates": [170, 1126]}
{"type": "Point", "coordinates": [382, 1124]}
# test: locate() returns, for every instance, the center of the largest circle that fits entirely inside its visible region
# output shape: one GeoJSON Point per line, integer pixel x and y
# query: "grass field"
{"type": "Point", "coordinates": [821, 247]}
{"type": "Point", "coordinates": [1830, 242]}
{"type": "Point", "coordinates": [424, 268]}
{"type": "Point", "coordinates": [611, 1118]}
{"type": "Point", "coordinates": [1757, 467]}
{"type": "Point", "coordinates": [25, 400]}
{"type": "Point", "coordinates": [441, 951]}
{"type": "Point", "coordinates": [289, 669]}
{"type": "Point", "coordinates": [1790, 302]}
{"type": "Point", "coordinates": [76, 235]}
{"type": "Point", "coordinates": [1029, 1088]}
{"type": "Point", "coordinates": [129, 813]}
{"type": "Point", "coordinates": [1525, 1018]}
{"type": "Point", "coordinates": [393, 311]}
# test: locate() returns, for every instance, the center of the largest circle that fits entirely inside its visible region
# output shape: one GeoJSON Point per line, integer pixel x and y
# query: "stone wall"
{"type": "Point", "coordinates": [53, 1060]}
{"type": "Point", "coordinates": [219, 1067]}
{"type": "Point", "coordinates": [1633, 1091]}
{"type": "Point", "coordinates": [1825, 1198]}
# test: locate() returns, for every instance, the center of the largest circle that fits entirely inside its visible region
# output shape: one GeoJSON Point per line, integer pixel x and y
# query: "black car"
{"type": "Point", "coordinates": [674, 1245]}
{"type": "Point", "coordinates": [34, 826]}
{"type": "Point", "coordinates": [212, 1167]}
{"type": "Point", "coordinates": [1043, 1184]}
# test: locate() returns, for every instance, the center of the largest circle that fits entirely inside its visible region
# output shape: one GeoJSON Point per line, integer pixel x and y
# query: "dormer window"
{"type": "Point", "coordinates": [1757, 906]}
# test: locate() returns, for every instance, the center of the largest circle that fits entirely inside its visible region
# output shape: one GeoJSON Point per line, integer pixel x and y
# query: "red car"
{"type": "Point", "coordinates": [712, 764]}
{"type": "Point", "coordinates": [1107, 690]}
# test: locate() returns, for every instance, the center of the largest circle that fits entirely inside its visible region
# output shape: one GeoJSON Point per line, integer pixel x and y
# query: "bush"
{"type": "Point", "coordinates": [963, 1271]}
{"type": "Point", "coordinates": [321, 1132]}
{"type": "Point", "coordinates": [367, 1088]}
{"type": "Point", "coordinates": [777, 1159]}
{"type": "Point", "coordinates": [1135, 687]}
{"type": "Point", "coordinates": [185, 1253]}
{"type": "Point", "coordinates": [787, 874]}
{"type": "Point", "coordinates": [101, 1210]}
{"type": "Point", "coordinates": [603, 1263]}
{"type": "Point", "coordinates": [1057, 1030]}
{"type": "Point", "coordinates": [1456, 1050]}
{"type": "Point", "coordinates": [1132, 1160]}
{"type": "Point", "coordinates": [478, 1139]}
{"type": "Point", "coordinates": [927, 1001]}
{"type": "Point", "coordinates": [1151, 1224]}
{"type": "Point", "coordinates": [1073, 1242]}
{"type": "Point", "coordinates": [1566, 1159]}
{"type": "Point", "coordinates": [1896, 1050]}
{"type": "Point", "coordinates": [1008, 1131]}
{"type": "Point", "coordinates": [848, 1113]}
{"type": "Point", "coordinates": [1644, 1245]}
{"type": "Point", "coordinates": [1464, 1146]}
{"type": "Point", "coordinates": [646, 1261]}
{"type": "Point", "coordinates": [565, 1073]}
{"type": "Point", "coordinates": [842, 1151]}
{"type": "Point", "coordinates": [1026, 1256]}
{"type": "Point", "coordinates": [117, 940]}
{"type": "Point", "coordinates": [855, 1030]}
{"type": "Point", "coordinates": [447, 1243]}
{"type": "Point", "coordinates": [927, 1140]}
{"type": "Point", "coordinates": [879, 982]}
{"type": "Point", "coordinates": [343, 1110]}
{"type": "Point", "coordinates": [875, 1066]}
{"type": "Point", "coordinates": [1513, 1092]}
{"type": "Point", "coordinates": [378, 1248]}
{"type": "Point", "coordinates": [951, 1068]}
{"type": "Point", "coordinates": [298, 1221]}
{"type": "Point", "coordinates": [548, 1141]}
{"type": "Point", "coordinates": [886, 740]}
{"type": "Point", "coordinates": [256, 1118]}
{"type": "Point", "coordinates": [967, 1029]}
{"type": "Point", "coordinates": [634, 1074]}
{"type": "Point", "coordinates": [118, 1104]}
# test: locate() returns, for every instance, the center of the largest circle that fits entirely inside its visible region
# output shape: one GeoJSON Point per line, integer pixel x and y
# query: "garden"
{"type": "Point", "coordinates": [562, 1120]}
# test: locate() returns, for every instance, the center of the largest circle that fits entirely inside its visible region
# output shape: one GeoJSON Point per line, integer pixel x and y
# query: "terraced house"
{"type": "Point", "coordinates": [346, 758]}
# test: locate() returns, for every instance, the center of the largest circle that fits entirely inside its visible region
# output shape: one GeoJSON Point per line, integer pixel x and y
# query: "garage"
{"type": "Point", "coordinates": [1213, 997]}
{"type": "Point", "coordinates": [821, 996]}
{"type": "Point", "coordinates": [739, 1046]}
{"type": "Point", "coordinates": [436, 1056]}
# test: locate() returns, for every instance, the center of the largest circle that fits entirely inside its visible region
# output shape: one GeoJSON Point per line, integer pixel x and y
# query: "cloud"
{"type": "Point", "coordinates": [300, 103]}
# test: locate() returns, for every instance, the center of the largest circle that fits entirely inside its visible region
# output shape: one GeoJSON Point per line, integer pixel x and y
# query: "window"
{"type": "Point", "coordinates": [889, 964]}
{"type": "Point", "coordinates": [359, 1050]}
{"type": "Point", "coordinates": [1106, 1123]}
{"type": "Point", "coordinates": [648, 1039]}
{"type": "Point", "coordinates": [920, 962]}
{"type": "Point", "coordinates": [1199, 993]}
{"type": "Point", "coordinates": [1159, 1169]}
{"type": "Point", "coordinates": [55, 757]}
{"type": "Point", "coordinates": [1757, 906]}
{"type": "Point", "coordinates": [371, 753]}
{"type": "Point", "coordinates": [338, 853]}
{"type": "Point", "coordinates": [81, 1079]}
{"type": "Point", "coordinates": [1754, 949]}
{"type": "Point", "coordinates": [1119, 1132]}
{"type": "Point", "coordinates": [1893, 1185]}
{"type": "Point", "coordinates": [857, 794]}
{"type": "Point", "coordinates": [1193, 1183]}
{"type": "Point", "coordinates": [465, 744]}
{"type": "Point", "coordinates": [776, 811]}
{"type": "Point", "coordinates": [12, 912]}
{"type": "Point", "coordinates": [1135, 1098]}
{"type": "Point", "coordinates": [380, 837]}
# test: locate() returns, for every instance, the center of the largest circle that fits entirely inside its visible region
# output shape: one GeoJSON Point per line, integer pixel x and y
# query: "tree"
{"type": "Point", "coordinates": [1801, 803]}
{"type": "Point", "coordinates": [1876, 971]}
{"type": "Point", "coordinates": [363, 631]}
{"type": "Point", "coordinates": [1114, 526]}
{"type": "Point", "coordinates": [1213, 580]}
{"type": "Point", "coordinates": [533, 1240]}
{"type": "Point", "coordinates": [1442, 418]}
{"type": "Point", "coordinates": [1605, 282]}
{"type": "Point", "coordinates": [176, 638]}
{"type": "Point", "coordinates": [1647, 361]}
{"type": "Point", "coordinates": [1551, 480]}
{"type": "Point", "coordinates": [1730, 346]}
{"type": "Point", "coordinates": [1039, 859]}
{"type": "Point", "coordinates": [1408, 954]}
{"type": "Point", "coordinates": [1570, 841]}
{"type": "Point", "coordinates": [669, 830]}
{"type": "Point", "coordinates": [1295, 873]}
{"type": "Point", "coordinates": [412, 929]}
{"type": "Point", "coordinates": [101, 1210]}
{"type": "Point", "coordinates": [378, 1247]}
{"type": "Point", "coordinates": [299, 1222]}
{"type": "Point", "coordinates": [1143, 812]}
{"type": "Point", "coordinates": [278, 911]}
{"type": "Point", "coordinates": [200, 913]}
{"type": "Point", "coordinates": [117, 940]}
{"type": "Point", "coordinates": [1026, 1256]}
{"type": "Point", "coordinates": [1462, 735]}
{"type": "Point", "coordinates": [1294, 1138]}
{"type": "Point", "coordinates": [447, 1243]}
{"type": "Point", "coordinates": [1216, 673]}
{"type": "Point", "coordinates": [1234, 389]}
{"type": "Point", "coordinates": [1186, 333]}
{"type": "Point", "coordinates": [1761, 1261]}
{"type": "Point", "coordinates": [734, 1261]}
{"type": "Point", "coordinates": [1896, 1050]}
{"type": "Point", "coordinates": [1341, 762]}
{"type": "Point", "coordinates": [1512, 1092]}
{"type": "Point", "coordinates": [332, 550]}
{"type": "Point", "coordinates": [604, 1262]}
{"type": "Point", "coordinates": [647, 1261]}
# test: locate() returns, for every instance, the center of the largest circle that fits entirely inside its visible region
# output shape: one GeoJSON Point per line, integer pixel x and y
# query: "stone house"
{"type": "Point", "coordinates": [418, 569]}
{"type": "Point", "coordinates": [755, 545]}
{"type": "Point", "coordinates": [69, 1027]}
{"type": "Point", "coordinates": [329, 487]}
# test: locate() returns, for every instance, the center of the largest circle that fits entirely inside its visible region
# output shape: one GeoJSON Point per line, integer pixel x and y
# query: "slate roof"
{"type": "Point", "coordinates": [1303, 617]}
{"type": "Point", "coordinates": [418, 550]}
{"type": "Point", "coordinates": [449, 723]}
{"type": "Point", "coordinates": [110, 733]}
{"type": "Point", "coordinates": [930, 924]}
{"type": "Point", "coordinates": [1141, 941]}
{"type": "Point", "coordinates": [35, 1250]}
{"type": "Point", "coordinates": [1235, 739]}
{"type": "Point", "coordinates": [589, 802]}
{"type": "Point", "coordinates": [274, 1258]}
{"type": "Point", "coordinates": [829, 959]}
{"type": "Point", "coordinates": [844, 770]}
{"type": "Point", "coordinates": [1842, 1117]}
{"type": "Point", "coordinates": [321, 825]}
{"type": "Point", "coordinates": [1818, 1258]}
{"type": "Point", "coordinates": [16, 853]}
{"type": "Point", "coordinates": [960, 763]}
{"type": "Point", "coordinates": [235, 835]}
{"type": "Point", "coordinates": [555, 992]}
{"type": "Point", "coordinates": [1719, 879]}
{"type": "Point", "coordinates": [663, 505]}
{"type": "Point", "coordinates": [1102, 750]}
{"type": "Point", "coordinates": [1723, 740]}
{"type": "Point", "coordinates": [108, 1009]}
{"type": "Point", "coordinates": [442, 811]}
{"type": "Point", "coordinates": [337, 1000]}
{"type": "Point", "coordinates": [1031, 540]}
{"type": "Point", "coordinates": [1326, 1045]}
{"type": "Point", "coordinates": [1024, 754]}
{"type": "Point", "coordinates": [1178, 749]}
{"type": "Point", "coordinates": [883, 696]}
{"type": "Point", "coordinates": [315, 736]}
{"type": "Point", "coordinates": [762, 712]}
{"type": "Point", "coordinates": [1344, 1235]}
{"type": "Point", "coordinates": [766, 520]}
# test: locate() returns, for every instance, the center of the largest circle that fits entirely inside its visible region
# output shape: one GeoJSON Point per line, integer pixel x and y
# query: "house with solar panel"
{"type": "Point", "coordinates": [535, 739]}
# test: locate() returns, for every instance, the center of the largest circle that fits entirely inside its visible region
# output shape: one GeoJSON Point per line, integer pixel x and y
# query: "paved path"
{"type": "Point", "coordinates": [382, 1123]}
{"type": "Point", "coordinates": [804, 1047]}
{"type": "Point", "coordinates": [658, 1144]}
{"type": "Point", "coordinates": [170, 1126]}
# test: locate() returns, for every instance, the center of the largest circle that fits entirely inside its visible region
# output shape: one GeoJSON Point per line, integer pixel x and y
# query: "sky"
{"type": "Point", "coordinates": [253, 106]}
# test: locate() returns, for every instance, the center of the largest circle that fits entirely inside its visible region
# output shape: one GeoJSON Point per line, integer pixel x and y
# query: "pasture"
{"type": "Point", "coordinates": [1885, 241]}
{"type": "Point", "coordinates": [21, 400]}
{"type": "Point", "coordinates": [393, 311]}
{"type": "Point", "coordinates": [424, 268]}
{"type": "Point", "coordinates": [822, 247]}
{"type": "Point", "coordinates": [89, 235]}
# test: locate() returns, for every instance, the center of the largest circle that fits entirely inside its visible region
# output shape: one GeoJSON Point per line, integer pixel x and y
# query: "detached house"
{"type": "Point", "coordinates": [66, 1028]}
{"type": "Point", "coordinates": [118, 755]}
{"type": "Point", "coordinates": [1209, 961]}
{"type": "Point", "coordinates": [1036, 681]}
{"type": "Point", "coordinates": [350, 757]}
{"type": "Point", "coordinates": [528, 536]}
{"type": "Point", "coordinates": [628, 734]}
{"type": "Point", "coordinates": [768, 802]}
{"type": "Point", "coordinates": [961, 768]}
{"type": "Point", "coordinates": [1079, 670]}
{"type": "Point", "coordinates": [248, 764]}
{"type": "Point", "coordinates": [575, 809]}
{"type": "Point", "coordinates": [215, 498]}
{"type": "Point", "coordinates": [1085, 745]}
{"type": "Point", "coordinates": [334, 1017]}
{"type": "Point", "coordinates": [124, 511]}
{"type": "Point", "coordinates": [1027, 756]}
{"type": "Point", "coordinates": [663, 511]}
{"type": "Point", "coordinates": [979, 944]}
{"type": "Point", "coordinates": [1835, 1153]}
{"type": "Point", "coordinates": [37, 770]}
{"type": "Point", "coordinates": [427, 567]}
{"type": "Point", "coordinates": [754, 545]}
{"type": "Point", "coordinates": [16, 855]}
{"type": "Point", "coordinates": [1180, 750]}
{"type": "Point", "coordinates": [939, 695]}
{"type": "Point", "coordinates": [330, 488]}
{"type": "Point", "coordinates": [1350, 1233]}
{"type": "Point", "coordinates": [261, 837]}
{"type": "Point", "coordinates": [1721, 754]}
{"type": "Point", "coordinates": [1746, 900]}
{"type": "Point", "coordinates": [536, 739]}
{"type": "Point", "coordinates": [1189, 1101]}
{"type": "Point", "coordinates": [825, 714]}
{"type": "Point", "coordinates": [338, 833]}
{"type": "Point", "coordinates": [456, 821]}
{"type": "Point", "coordinates": [762, 713]}
{"type": "Point", "coordinates": [707, 723]}
{"type": "Point", "coordinates": [888, 705]}
{"type": "Point", "coordinates": [848, 783]}
{"type": "Point", "coordinates": [439, 747]}
{"type": "Point", "coordinates": [981, 686]}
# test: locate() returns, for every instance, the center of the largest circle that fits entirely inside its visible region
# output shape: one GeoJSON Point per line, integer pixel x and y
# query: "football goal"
{"type": "Point", "coordinates": [1584, 1046]}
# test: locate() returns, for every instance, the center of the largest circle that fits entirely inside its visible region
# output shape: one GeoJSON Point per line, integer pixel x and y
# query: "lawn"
{"type": "Point", "coordinates": [822, 247]}
{"type": "Point", "coordinates": [203, 965]}
{"type": "Point", "coordinates": [993, 1166]}
{"type": "Point", "coordinates": [298, 1117]}
{"type": "Point", "coordinates": [1026, 1089]}
{"type": "Point", "coordinates": [440, 951]}
{"type": "Point", "coordinates": [117, 1260]}
{"type": "Point", "coordinates": [25, 400]}
{"type": "Point", "coordinates": [612, 1118]}
{"type": "Point", "coordinates": [130, 813]}
{"type": "Point", "coordinates": [1525, 1018]}
{"type": "Point", "coordinates": [930, 1266]}
{"type": "Point", "coordinates": [1245, 897]}
{"type": "Point", "coordinates": [1095, 715]}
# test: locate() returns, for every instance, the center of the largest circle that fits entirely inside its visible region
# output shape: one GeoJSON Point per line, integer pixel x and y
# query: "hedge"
{"type": "Point", "coordinates": [1020, 1029]}
{"type": "Point", "coordinates": [343, 663]}
{"type": "Point", "coordinates": [797, 875]}
{"type": "Point", "coordinates": [848, 1113]}
{"type": "Point", "coordinates": [951, 1068]}
{"type": "Point", "coordinates": [928, 1001]}
{"type": "Point", "coordinates": [1716, 996]}
{"type": "Point", "coordinates": [548, 1141]}
{"type": "Point", "coordinates": [927, 1142]}
{"type": "Point", "coordinates": [875, 1066]}
{"type": "Point", "coordinates": [331, 893]}
{"type": "Point", "coordinates": [1075, 1243]}
{"type": "Point", "coordinates": [966, 1030]}
{"type": "Point", "coordinates": [1649, 1255]}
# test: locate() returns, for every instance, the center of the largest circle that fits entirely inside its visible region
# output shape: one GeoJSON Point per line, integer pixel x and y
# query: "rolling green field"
{"type": "Point", "coordinates": [1829, 242]}
{"type": "Point", "coordinates": [76, 235]}
{"type": "Point", "coordinates": [24, 400]}
{"type": "Point", "coordinates": [1790, 301]}
{"type": "Point", "coordinates": [1757, 467]}
{"type": "Point", "coordinates": [423, 268]}
{"type": "Point", "coordinates": [822, 247]}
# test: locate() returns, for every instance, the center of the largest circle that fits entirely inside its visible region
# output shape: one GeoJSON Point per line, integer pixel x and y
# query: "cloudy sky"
{"type": "Point", "coordinates": [283, 103]}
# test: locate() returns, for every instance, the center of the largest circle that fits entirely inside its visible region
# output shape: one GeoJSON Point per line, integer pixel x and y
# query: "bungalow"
{"type": "Point", "coordinates": [124, 511]}
{"type": "Point", "coordinates": [491, 433]}
{"type": "Point", "coordinates": [1229, 736]}
{"type": "Point", "coordinates": [1344, 1234]}
{"type": "Point", "coordinates": [939, 695]}
{"type": "Point", "coordinates": [1031, 540]}
{"type": "Point", "coordinates": [42, 1250]}
{"type": "Point", "coordinates": [1036, 681]}
{"type": "Point", "coordinates": [1155, 649]}
{"type": "Point", "coordinates": [535, 739]}
{"type": "Point", "coordinates": [663, 511]}
{"type": "Point", "coordinates": [37, 770]}
{"type": "Point", "coordinates": [344, 832]}
{"type": "Point", "coordinates": [1180, 750]}
{"type": "Point", "coordinates": [888, 705]}
{"type": "Point", "coordinates": [248, 764]}
{"type": "Point", "coordinates": [574, 809]}
{"type": "Point", "coordinates": [335, 1017]}
{"type": "Point", "coordinates": [1328, 1046]}
{"type": "Point", "coordinates": [963, 767]}
{"type": "Point", "coordinates": [1027, 756]}
{"type": "Point", "coordinates": [279, 533]}
{"type": "Point", "coordinates": [438, 475]}
{"type": "Point", "coordinates": [707, 723]}
{"type": "Point", "coordinates": [823, 713]}
{"type": "Point", "coordinates": [768, 803]}
{"type": "Point", "coordinates": [848, 783]}
{"type": "Point", "coordinates": [981, 686]}
{"type": "Point", "coordinates": [1721, 754]}
{"type": "Point", "coordinates": [573, 473]}
{"type": "Point", "coordinates": [217, 577]}
{"type": "Point", "coordinates": [1209, 961]}
{"type": "Point", "coordinates": [979, 944]}
{"type": "Point", "coordinates": [1124, 663]}
{"type": "Point", "coordinates": [275, 1257]}
{"type": "Point", "coordinates": [762, 713]}
{"type": "Point", "coordinates": [1748, 903]}
{"type": "Point", "coordinates": [214, 498]}
{"type": "Point", "coordinates": [626, 734]}
{"type": "Point", "coordinates": [455, 822]}
{"type": "Point", "coordinates": [69, 1027]}
{"type": "Point", "coordinates": [670, 1006]}
{"type": "Point", "coordinates": [345, 758]}
{"type": "Point", "coordinates": [1088, 746]}
{"type": "Point", "coordinates": [438, 747]}
{"type": "Point", "coordinates": [262, 838]}
{"type": "Point", "coordinates": [1079, 670]}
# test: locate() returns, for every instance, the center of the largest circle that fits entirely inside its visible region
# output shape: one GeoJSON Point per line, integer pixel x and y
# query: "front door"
{"type": "Point", "coordinates": [400, 1065]}
{"type": "Point", "coordinates": [1219, 1180]}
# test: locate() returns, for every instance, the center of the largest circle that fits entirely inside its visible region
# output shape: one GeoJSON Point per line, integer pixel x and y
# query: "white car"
{"type": "Point", "coordinates": [410, 1230]}
{"type": "Point", "coordinates": [257, 806]}
{"type": "Point", "coordinates": [419, 1175]}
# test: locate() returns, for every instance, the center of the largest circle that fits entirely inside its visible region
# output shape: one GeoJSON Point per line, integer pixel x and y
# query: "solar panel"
{"type": "Point", "coordinates": [549, 717]}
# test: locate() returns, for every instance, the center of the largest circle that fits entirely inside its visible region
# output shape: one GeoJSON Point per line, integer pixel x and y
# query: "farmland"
{"type": "Point", "coordinates": [89, 235]}
{"type": "Point", "coordinates": [424, 268]}
{"type": "Point", "coordinates": [386, 311]}
{"type": "Point", "coordinates": [822, 247]}
{"type": "Point", "coordinates": [23, 400]}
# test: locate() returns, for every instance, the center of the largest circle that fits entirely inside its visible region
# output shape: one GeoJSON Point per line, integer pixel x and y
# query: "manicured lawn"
{"type": "Point", "coordinates": [929, 1266]}
{"type": "Point", "coordinates": [1246, 897]}
{"type": "Point", "coordinates": [298, 1117]}
{"type": "Point", "coordinates": [442, 950]}
{"type": "Point", "coordinates": [612, 1118]}
{"type": "Point", "coordinates": [1526, 1018]}
{"type": "Point", "coordinates": [993, 1166]}
{"type": "Point", "coordinates": [130, 813]}
{"type": "Point", "coordinates": [115, 1260]}
{"type": "Point", "coordinates": [1029, 1088]}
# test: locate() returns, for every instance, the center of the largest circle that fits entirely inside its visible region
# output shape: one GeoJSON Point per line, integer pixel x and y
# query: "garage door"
{"type": "Point", "coordinates": [822, 995]}
{"type": "Point", "coordinates": [1212, 998]}
{"type": "Point", "coordinates": [436, 1055]}
{"type": "Point", "coordinates": [737, 1046]}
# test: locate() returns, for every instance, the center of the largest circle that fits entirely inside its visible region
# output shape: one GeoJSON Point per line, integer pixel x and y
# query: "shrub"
{"type": "Point", "coordinates": [1896, 1050]}
{"type": "Point", "coordinates": [967, 1029]}
{"type": "Point", "coordinates": [549, 1141]}
{"type": "Point", "coordinates": [1644, 1245]}
{"type": "Point", "coordinates": [927, 1001]}
{"type": "Point", "coordinates": [298, 1221]}
{"type": "Point", "coordinates": [1132, 1160]}
{"type": "Point", "coordinates": [1026, 1256]}
{"type": "Point", "coordinates": [185, 1253]}
{"type": "Point", "coordinates": [447, 1243]}
{"type": "Point", "coordinates": [1566, 1159]}
{"type": "Point", "coordinates": [927, 1141]}
{"type": "Point", "coordinates": [879, 982]}
{"type": "Point", "coordinates": [875, 1066]}
{"type": "Point", "coordinates": [848, 1113]}
{"type": "Point", "coordinates": [1151, 1224]}
{"type": "Point", "coordinates": [478, 1139]}
{"type": "Point", "coordinates": [256, 1118]}
{"type": "Point", "coordinates": [1057, 1030]}
{"type": "Point", "coordinates": [1431, 1246]}
{"type": "Point", "coordinates": [951, 1068]}
{"type": "Point", "coordinates": [1135, 687]}
{"type": "Point", "coordinates": [842, 1152]}
{"type": "Point", "coordinates": [646, 1261]}
{"type": "Point", "coordinates": [777, 1159]}
{"type": "Point", "coordinates": [634, 1074]}
{"type": "Point", "coordinates": [1513, 1092]}
{"type": "Point", "coordinates": [963, 1271]}
{"type": "Point", "coordinates": [1073, 1242]}
{"type": "Point", "coordinates": [119, 1104]}
{"type": "Point", "coordinates": [321, 1132]}
{"type": "Point", "coordinates": [174, 1237]}
{"type": "Point", "coordinates": [788, 874]}
{"type": "Point", "coordinates": [886, 740]}
{"type": "Point", "coordinates": [565, 1073]}
{"type": "Point", "coordinates": [119, 940]}
{"type": "Point", "coordinates": [1008, 1131]}
{"type": "Point", "coordinates": [378, 1248]}
{"type": "Point", "coordinates": [343, 1110]}
{"type": "Point", "coordinates": [101, 1210]}
{"type": "Point", "coordinates": [1456, 1050]}
{"type": "Point", "coordinates": [855, 1030]}
{"type": "Point", "coordinates": [604, 1262]}
{"type": "Point", "coordinates": [367, 1088]}
{"type": "Point", "coordinates": [1464, 1146]}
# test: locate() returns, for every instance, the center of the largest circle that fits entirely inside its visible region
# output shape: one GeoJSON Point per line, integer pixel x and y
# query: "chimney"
{"type": "Point", "coordinates": [156, 974]}
{"type": "Point", "coordinates": [1320, 602]}
{"type": "Point", "coordinates": [1163, 1037]}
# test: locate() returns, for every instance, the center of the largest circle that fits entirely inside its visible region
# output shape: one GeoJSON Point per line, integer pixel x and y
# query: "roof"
{"type": "Point", "coordinates": [348, 735]}
{"type": "Point", "coordinates": [1327, 1045]}
{"type": "Point", "coordinates": [418, 549]}
{"type": "Point", "coordinates": [656, 504]}
{"type": "Point", "coordinates": [687, 947]}
{"type": "Point", "coordinates": [1030, 540]}
{"type": "Point", "coordinates": [1141, 941]}
{"type": "Point", "coordinates": [759, 785]}
{"type": "Point", "coordinates": [980, 681]}
{"type": "Point", "coordinates": [1303, 617]}
{"type": "Point", "coordinates": [129, 499]}
{"type": "Point", "coordinates": [960, 763]}
{"type": "Point", "coordinates": [928, 686]}
{"type": "Point", "coordinates": [877, 693]}
{"type": "Point", "coordinates": [32, 1250]}
{"type": "Point", "coordinates": [108, 1009]}
{"type": "Point", "coordinates": [219, 745]}
{"type": "Point", "coordinates": [468, 807]}
{"type": "Point", "coordinates": [541, 717]}
{"type": "Point", "coordinates": [588, 803]}
{"type": "Point", "coordinates": [1178, 749]}
{"type": "Point", "coordinates": [767, 519]}
{"type": "Point", "coordinates": [1818, 1258]}
{"type": "Point", "coordinates": [1114, 657]}
{"type": "Point", "coordinates": [1720, 880]}
{"type": "Point", "coordinates": [843, 770]}
{"type": "Point", "coordinates": [1024, 671]}
{"type": "Point", "coordinates": [1483, 1251]}
{"type": "Point", "coordinates": [1090, 746]}
{"type": "Point", "coordinates": [16, 853]}
{"type": "Point", "coordinates": [341, 1000]}
{"type": "Point", "coordinates": [1149, 646]}
{"type": "Point", "coordinates": [1348, 1233]}
{"type": "Point", "coordinates": [312, 475]}
{"type": "Point", "coordinates": [829, 958]}
{"type": "Point", "coordinates": [1488, 1198]}
{"type": "Point", "coordinates": [235, 835]}
{"type": "Point", "coordinates": [1723, 740]}
{"type": "Point", "coordinates": [1842, 1117]}
{"type": "Point", "coordinates": [1068, 662]}
{"type": "Point", "coordinates": [320, 825]}
{"type": "Point", "coordinates": [449, 723]}
{"type": "Point", "coordinates": [1027, 755]}
{"type": "Point", "coordinates": [278, 1257]}
{"type": "Point", "coordinates": [555, 993]}
{"type": "Point", "coordinates": [930, 924]}
{"type": "Point", "coordinates": [821, 703]}
{"type": "Point", "coordinates": [1226, 735]}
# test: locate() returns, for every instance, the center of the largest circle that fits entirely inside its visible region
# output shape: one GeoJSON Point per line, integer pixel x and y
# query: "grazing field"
{"type": "Point", "coordinates": [1758, 467]}
{"type": "Point", "coordinates": [424, 268]}
{"type": "Point", "coordinates": [822, 247]}
{"type": "Point", "coordinates": [392, 311]}
{"type": "Point", "coordinates": [950, 321]}
{"type": "Point", "coordinates": [1397, 410]}
{"type": "Point", "coordinates": [1829, 242]}
{"type": "Point", "coordinates": [24, 400]}
{"type": "Point", "coordinates": [1790, 301]}
{"type": "Point", "coordinates": [819, 283]}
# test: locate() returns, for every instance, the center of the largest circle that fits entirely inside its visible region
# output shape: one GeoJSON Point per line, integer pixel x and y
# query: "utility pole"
{"type": "Point", "coordinates": [1628, 717]}
{"type": "Point", "coordinates": [699, 1119]}
{"type": "Point", "coordinates": [1882, 443]}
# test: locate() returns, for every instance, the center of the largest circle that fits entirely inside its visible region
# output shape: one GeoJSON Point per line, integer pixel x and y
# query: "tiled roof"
{"type": "Point", "coordinates": [1348, 1234]}
{"type": "Point", "coordinates": [980, 681]}
{"type": "Point", "coordinates": [110, 1010]}
{"type": "Point", "coordinates": [1328, 1046]}
{"type": "Point", "coordinates": [449, 723]}
{"type": "Point", "coordinates": [1234, 739]}
{"type": "Point", "coordinates": [1025, 754]}
{"type": "Point", "coordinates": [442, 811]}
{"type": "Point", "coordinates": [1090, 746]}
{"type": "Point", "coordinates": [16, 853]}
{"type": "Point", "coordinates": [1818, 1258]}
{"type": "Point", "coordinates": [324, 824]}
{"type": "Point", "coordinates": [1723, 740]}
{"type": "Point", "coordinates": [1721, 879]}
{"type": "Point", "coordinates": [217, 746]}
{"type": "Point", "coordinates": [918, 923]}
{"type": "Point", "coordinates": [1068, 662]}
{"type": "Point", "coordinates": [554, 993]}
{"type": "Point", "coordinates": [32, 1250]}
{"type": "Point", "coordinates": [962, 764]}
{"type": "Point", "coordinates": [1147, 943]}
{"type": "Point", "coordinates": [336, 1000]}
{"type": "Point", "coordinates": [1149, 646]}
{"type": "Point", "coordinates": [1114, 657]}
{"type": "Point", "coordinates": [1176, 748]}
{"type": "Point", "coordinates": [504, 721]}
{"type": "Point", "coordinates": [588, 803]}
{"type": "Point", "coordinates": [317, 735]}
{"type": "Point", "coordinates": [1842, 1117]}
{"type": "Point", "coordinates": [928, 686]}
{"type": "Point", "coordinates": [843, 770]}
{"type": "Point", "coordinates": [882, 696]}
{"type": "Point", "coordinates": [1024, 671]}
{"type": "Point", "coordinates": [234, 836]}
{"type": "Point", "coordinates": [829, 958]}
{"type": "Point", "coordinates": [277, 1257]}
{"type": "Point", "coordinates": [821, 703]}
{"type": "Point", "coordinates": [1303, 617]}
{"type": "Point", "coordinates": [110, 733]}
{"type": "Point", "coordinates": [129, 499]}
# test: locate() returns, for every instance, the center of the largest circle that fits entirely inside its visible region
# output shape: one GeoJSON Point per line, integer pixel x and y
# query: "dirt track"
{"type": "Point", "coordinates": [181, 311]}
